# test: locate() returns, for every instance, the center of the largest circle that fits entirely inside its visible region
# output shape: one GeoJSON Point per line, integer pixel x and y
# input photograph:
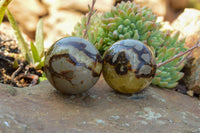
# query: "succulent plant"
{"type": "Point", "coordinates": [95, 31]}
{"type": "Point", "coordinates": [169, 74]}
{"type": "Point", "coordinates": [130, 21]}
{"type": "Point", "coordinates": [125, 21]}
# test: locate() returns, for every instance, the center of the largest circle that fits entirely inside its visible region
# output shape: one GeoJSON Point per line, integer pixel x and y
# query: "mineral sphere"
{"type": "Point", "coordinates": [72, 65]}
{"type": "Point", "coordinates": [129, 66]}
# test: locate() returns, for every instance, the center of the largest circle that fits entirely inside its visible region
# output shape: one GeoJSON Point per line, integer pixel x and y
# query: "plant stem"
{"type": "Point", "coordinates": [185, 58]}
{"type": "Point", "coordinates": [16, 72]}
{"type": "Point", "coordinates": [21, 42]}
{"type": "Point", "coordinates": [180, 54]}
{"type": "Point", "coordinates": [3, 7]}
{"type": "Point", "coordinates": [39, 38]}
{"type": "Point", "coordinates": [91, 12]}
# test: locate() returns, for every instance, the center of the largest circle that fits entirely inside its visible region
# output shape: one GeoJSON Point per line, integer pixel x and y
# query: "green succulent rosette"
{"type": "Point", "coordinates": [169, 74]}
{"type": "Point", "coordinates": [130, 21]}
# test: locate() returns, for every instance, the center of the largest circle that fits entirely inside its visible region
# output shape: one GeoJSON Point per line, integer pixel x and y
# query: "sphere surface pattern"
{"type": "Point", "coordinates": [72, 65]}
{"type": "Point", "coordinates": [129, 66]}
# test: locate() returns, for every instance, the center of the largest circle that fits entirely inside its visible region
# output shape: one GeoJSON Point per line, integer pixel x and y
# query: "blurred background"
{"type": "Point", "coordinates": [60, 16]}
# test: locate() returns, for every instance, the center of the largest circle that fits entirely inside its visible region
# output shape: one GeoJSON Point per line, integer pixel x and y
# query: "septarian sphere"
{"type": "Point", "coordinates": [73, 65]}
{"type": "Point", "coordinates": [129, 66]}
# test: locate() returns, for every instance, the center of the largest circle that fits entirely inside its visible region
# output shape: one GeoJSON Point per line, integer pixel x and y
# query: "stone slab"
{"type": "Point", "coordinates": [42, 109]}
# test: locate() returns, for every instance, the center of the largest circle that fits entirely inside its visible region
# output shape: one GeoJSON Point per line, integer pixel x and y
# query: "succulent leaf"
{"type": "Point", "coordinates": [163, 84]}
{"type": "Point", "coordinates": [171, 85]}
{"type": "Point", "coordinates": [156, 80]}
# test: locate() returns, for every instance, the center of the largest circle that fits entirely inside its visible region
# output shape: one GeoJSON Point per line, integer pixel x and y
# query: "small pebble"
{"type": "Point", "coordinates": [126, 124]}
{"type": "Point", "coordinates": [190, 93]}
{"type": "Point", "coordinates": [115, 117]}
{"type": "Point", "coordinates": [72, 96]}
{"type": "Point", "coordinates": [84, 122]}
{"type": "Point", "coordinates": [185, 122]}
{"type": "Point", "coordinates": [29, 93]}
{"type": "Point", "coordinates": [108, 98]}
{"type": "Point", "coordinates": [170, 121]}
{"type": "Point", "coordinates": [93, 96]}
{"type": "Point", "coordinates": [144, 122]}
{"type": "Point", "coordinates": [99, 121]}
{"type": "Point", "coordinates": [6, 123]}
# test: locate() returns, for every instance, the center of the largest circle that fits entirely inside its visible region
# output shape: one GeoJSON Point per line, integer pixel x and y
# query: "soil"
{"type": "Point", "coordinates": [14, 70]}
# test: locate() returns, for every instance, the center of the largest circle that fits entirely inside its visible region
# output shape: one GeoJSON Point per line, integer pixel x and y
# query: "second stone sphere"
{"type": "Point", "coordinates": [72, 65]}
{"type": "Point", "coordinates": [129, 66]}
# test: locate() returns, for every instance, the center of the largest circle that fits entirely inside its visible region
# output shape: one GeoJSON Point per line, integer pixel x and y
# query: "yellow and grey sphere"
{"type": "Point", "coordinates": [72, 65]}
{"type": "Point", "coordinates": [129, 66]}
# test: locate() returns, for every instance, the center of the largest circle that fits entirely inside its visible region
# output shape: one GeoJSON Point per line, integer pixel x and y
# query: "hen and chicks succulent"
{"type": "Point", "coordinates": [130, 21]}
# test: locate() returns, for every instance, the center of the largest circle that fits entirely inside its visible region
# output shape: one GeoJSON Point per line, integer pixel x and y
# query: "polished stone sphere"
{"type": "Point", "coordinates": [129, 66]}
{"type": "Point", "coordinates": [72, 65]}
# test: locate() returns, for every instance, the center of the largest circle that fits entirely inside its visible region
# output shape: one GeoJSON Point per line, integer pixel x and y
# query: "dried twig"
{"type": "Point", "coordinates": [185, 58]}
{"type": "Point", "coordinates": [180, 54]}
{"type": "Point", "coordinates": [16, 72]}
{"type": "Point", "coordinates": [5, 59]}
{"type": "Point", "coordinates": [35, 79]}
{"type": "Point", "coordinates": [4, 41]}
{"type": "Point", "coordinates": [91, 12]}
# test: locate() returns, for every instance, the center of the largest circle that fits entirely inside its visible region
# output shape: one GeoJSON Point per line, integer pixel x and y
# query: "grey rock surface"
{"type": "Point", "coordinates": [42, 109]}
